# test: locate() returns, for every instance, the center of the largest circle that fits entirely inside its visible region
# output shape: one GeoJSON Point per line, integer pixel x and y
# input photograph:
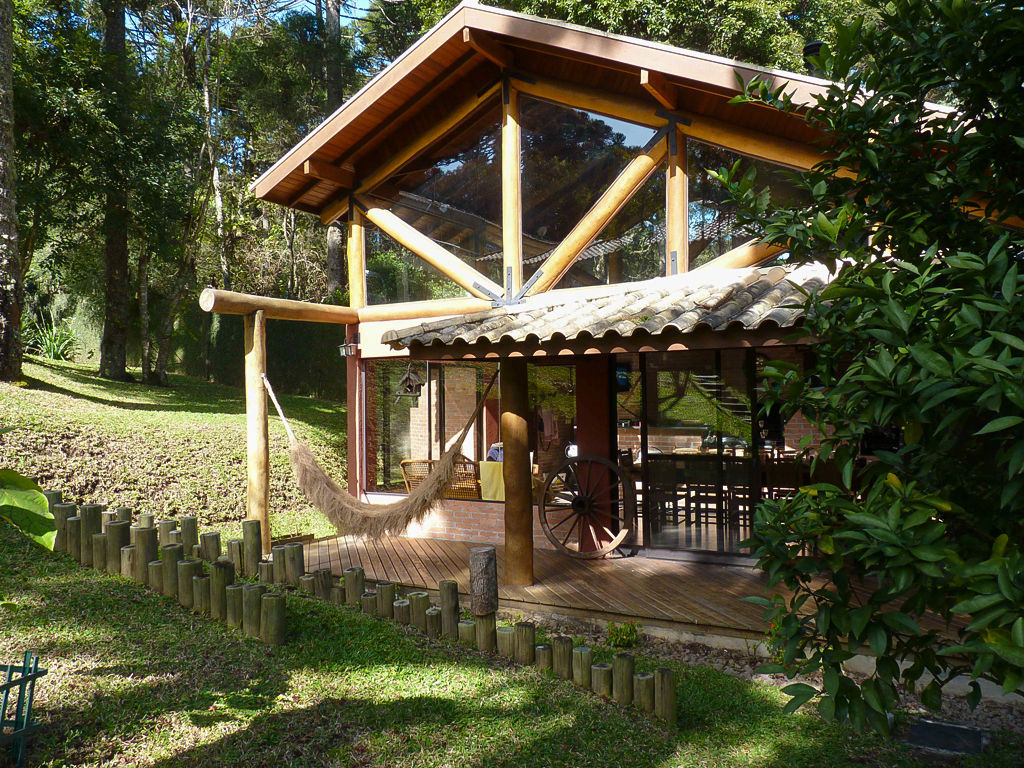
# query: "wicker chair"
{"type": "Point", "coordinates": [414, 472]}
{"type": "Point", "coordinates": [466, 484]}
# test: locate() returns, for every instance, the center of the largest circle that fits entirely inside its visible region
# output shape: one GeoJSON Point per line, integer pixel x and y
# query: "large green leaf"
{"type": "Point", "coordinates": [24, 506]}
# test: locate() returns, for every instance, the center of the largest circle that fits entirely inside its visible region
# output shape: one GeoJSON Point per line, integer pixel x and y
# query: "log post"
{"type": "Point", "coordinates": [99, 551]}
{"type": "Point", "coordinates": [294, 563]}
{"type": "Point", "coordinates": [355, 254]}
{"type": "Point", "coordinates": [601, 679]}
{"type": "Point", "coordinates": [525, 642]}
{"type": "Point", "coordinates": [234, 605]}
{"type": "Point", "coordinates": [209, 545]}
{"type": "Point", "coordinates": [128, 561]}
{"type": "Point", "coordinates": [186, 570]}
{"type": "Point", "coordinates": [252, 594]}
{"type": "Point", "coordinates": [643, 692]}
{"type": "Point", "coordinates": [386, 599]}
{"type": "Point", "coordinates": [561, 657]}
{"type": "Point", "coordinates": [665, 694]}
{"type": "Point", "coordinates": [486, 633]}
{"type": "Point", "coordinates": [483, 591]}
{"type": "Point", "coordinates": [511, 193]}
{"type": "Point", "coordinates": [252, 543]}
{"type": "Point", "coordinates": [61, 513]}
{"type": "Point", "coordinates": [272, 619]}
{"type": "Point", "coordinates": [677, 227]}
{"type": "Point", "coordinates": [277, 557]}
{"type": "Point", "coordinates": [622, 678]}
{"type": "Point", "coordinates": [201, 594]}
{"type": "Point", "coordinates": [222, 574]}
{"type": "Point", "coordinates": [189, 527]}
{"type": "Point", "coordinates": [517, 473]}
{"type": "Point", "coordinates": [449, 590]}
{"type": "Point", "coordinates": [355, 585]}
{"type": "Point", "coordinates": [236, 555]}
{"type": "Point", "coordinates": [170, 554]}
{"type": "Point", "coordinates": [433, 623]}
{"type": "Point", "coordinates": [467, 634]}
{"type": "Point", "coordinates": [146, 552]}
{"type": "Point", "coordinates": [174, 537]}
{"type": "Point", "coordinates": [401, 611]}
{"type": "Point", "coordinates": [91, 523]}
{"type": "Point", "coordinates": [582, 660]}
{"type": "Point", "coordinates": [164, 528]}
{"type": "Point", "coordinates": [53, 498]}
{"type": "Point", "coordinates": [506, 641]}
{"type": "Point", "coordinates": [368, 602]}
{"type": "Point", "coordinates": [257, 436]}
{"type": "Point", "coordinates": [124, 514]}
{"type": "Point", "coordinates": [73, 529]}
{"type": "Point", "coordinates": [146, 520]}
{"type": "Point", "coordinates": [323, 580]}
{"type": "Point", "coordinates": [266, 568]}
{"type": "Point", "coordinates": [117, 537]}
{"type": "Point", "coordinates": [542, 656]}
{"type": "Point", "coordinates": [418, 604]}
{"type": "Point", "coordinates": [107, 516]}
{"type": "Point", "coordinates": [155, 578]}
{"type": "Point", "coordinates": [338, 595]}
{"type": "Point", "coordinates": [306, 583]}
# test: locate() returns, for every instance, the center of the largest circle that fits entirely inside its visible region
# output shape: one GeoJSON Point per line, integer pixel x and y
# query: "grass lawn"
{"type": "Point", "coordinates": [136, 680]}
{"type": "Point", "coordinates": [173, 451]}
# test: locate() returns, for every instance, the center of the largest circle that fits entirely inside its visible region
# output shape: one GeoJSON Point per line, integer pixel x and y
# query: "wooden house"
{"type": "Point", "coordinates": [531, 197]}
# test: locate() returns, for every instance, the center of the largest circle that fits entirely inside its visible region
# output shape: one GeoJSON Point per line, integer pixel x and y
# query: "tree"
{"type": "Point", "coordinates": [916, 553]}
{"type": "Point", "coordinates": [12, 287]}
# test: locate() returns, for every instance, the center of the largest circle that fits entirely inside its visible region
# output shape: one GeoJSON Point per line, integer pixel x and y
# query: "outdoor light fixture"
{"type": "Point", "coordinates": [348, 349]}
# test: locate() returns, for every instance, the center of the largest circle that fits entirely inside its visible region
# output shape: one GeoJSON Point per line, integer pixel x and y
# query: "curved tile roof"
{"type": "Point", "coordinates": [710, 298]}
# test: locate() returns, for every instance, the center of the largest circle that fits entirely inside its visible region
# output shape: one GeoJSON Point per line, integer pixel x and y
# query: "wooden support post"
{"type": "Point", "coordinates": [146, 520]}
{"type": "Point", "coordinates": [643, 692]}
{"type": "Point", "coordinates": [582, 659]}
{"type": "Point", "coordinates": [601, 679]}
{"type": "Point", "coordinates": [277, 558]}
{"type": "Point", "coordinates": [467, 634]}
{"type": "Point", "coordinates": [174, 537]}
{"type": "Point", "coordinates": [665, 695]}
{"type": "Point", "coordinates": [516, 472]}
{"type": "Point", "coordinates": [124, 514]}
{"type": "Point", "coordinates": [368, 602]}
{"type": "Point", "coordinates": [448, 263]}
{"type": "Point", "coordinates": [294, 563]}
{"type": "Point", "coordinates": [221, 575]}
{"type": "Point", "coordinates": [233, 595]}
{"type": "Point", "coordinates": [677, 227]}
{"type": "Point", "coordinates": [99, 551]}
{"type": "Point", "coordinates": [542, 655]}
{"type": "Point", "coordinates": [252, 594]}
{"type": "Point", "coordinates": [170, 554]}
{"type": "Point", "coordinates": [201, 594]}
{"type": "Point", "coordinates": [107, 516]}
{"type": "Point", "coordinates": [189, 527]}
{"type": "Point", "coordinates": [356, 256]}
{"type": "Point", "coordinates": [338, 595]}
{"type": "Point", "coordinates": [449, 590]}
{"type": "Point", "coordinates": [632, 178]}
{"type": "Point", "coordinates": [209, 545]}
{"type": "Point", "coordinates": [323, 580]}
{"type": "Point", "coordinates": [61, 513]}
{"type": "Point", "coordinates": [164, 528]}
{"type": "Point", "coordinates": [355, 585]}
{"type": "Point", "coordinates": [401, 610]}
{"type": "Point", "coordinates": [252, 546]}
{"type": "Point", "coordinates": [91, 523]}
{"type": "Point", "coordinates": [117, 537]}
{"type": "Point", "coordinates": [386, 599]}
{"type": "Point", "coordinates": [235, 554]}
{"type": "Point", "coordinates": [128, 561]}
{"type": "Point", "coordinates": [486, 633]}
{"type": "Point", "coordinates": [525, 641]}
{"type": "Point", "coordinates": [197, 552]}
{"type": "Point", "coordinates": [266, 569]}
{"type": "Point", "coordinates": [418, 604]}
{"type": "Point", "coordinates": [561, 657]}
{"type": "Point", "coordinates": [257, 439]}
{"type": "Point", "coordinates": [354, 388]}
{"type": "Point", "coordinates": [146, 551]}
{"type": "Point", "coordinates": [73, 528]}
{"type": "Point", "coordinates": [306, 583]}
{"type": "Point", "coordinates": [483, 580]}
{"type": "Point", "coordinates": [506, 641]}
{"type": "Point", "coordinates": [511, 193]}
{"type": "Point", "coordinates": [155, 577]}
{"type": "Point", "coordinates": [622, 678]}
{"type": "Point", "coordinates": [433, 622]}
{"type": "Point", "coordinates": [186, 570]}
{"type": "Point", "coordinates": [53, 498]}
{"type": "Point", "coordinates": [273, 626]}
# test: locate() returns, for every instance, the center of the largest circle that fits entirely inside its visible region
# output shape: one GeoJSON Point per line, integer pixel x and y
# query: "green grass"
{"type": "Point", "coordinates": [136, 680]}
{"type": "Point", "coordinates": [173, 451]}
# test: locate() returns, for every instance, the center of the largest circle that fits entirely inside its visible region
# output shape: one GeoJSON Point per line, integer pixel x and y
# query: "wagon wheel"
{"type": "Point", "coordinates": [588, 499]}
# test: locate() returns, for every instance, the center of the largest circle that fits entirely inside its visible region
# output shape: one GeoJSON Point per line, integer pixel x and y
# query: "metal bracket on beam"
{"type": "Point", "coordinates": [673, 115]}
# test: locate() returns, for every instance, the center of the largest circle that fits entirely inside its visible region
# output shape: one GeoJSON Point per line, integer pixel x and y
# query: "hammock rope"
{"type": "Point", "coordinates": [353, 517]}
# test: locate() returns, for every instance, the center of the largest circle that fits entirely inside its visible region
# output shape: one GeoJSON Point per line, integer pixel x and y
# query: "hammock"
{"type": "Point", "coordinates": [352, 517]}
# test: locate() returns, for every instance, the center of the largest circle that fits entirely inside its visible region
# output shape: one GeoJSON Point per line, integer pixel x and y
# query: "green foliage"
{"type": "Point", "coordinates": [624, 635]}
{"type": "Point", "coordinates": [921, 334]}
{"type": "Point", "coordinates": [23, 505]}
{"type": "Point", "coordinates": [50, 338]}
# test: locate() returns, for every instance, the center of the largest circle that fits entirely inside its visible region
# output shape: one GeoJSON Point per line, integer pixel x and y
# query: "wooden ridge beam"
{"type": "Point", "coordinates": [632, 177]}
{"type": "Point", "coordinates": [232, 303]}
{"type": "Point", "coordinates": [416, 310]}
{"type": "Point", "coordinates": [341, 176]}
{"type": "Point", "coordinates": [448, 263]}
{"type": "Point", "coordinates": [488, 47]}
{"type": "Point", "coordinates": [661, 89]}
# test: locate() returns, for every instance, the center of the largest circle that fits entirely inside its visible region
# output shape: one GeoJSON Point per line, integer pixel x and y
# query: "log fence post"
{"type": "Point", "coordinates": [449, 590]}
{"type": "Point", "coordinates": [117, 537]}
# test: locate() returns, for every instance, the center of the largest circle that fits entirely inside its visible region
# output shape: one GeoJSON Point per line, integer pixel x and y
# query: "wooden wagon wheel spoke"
{"type": "Point", "coordinates": [569, 534]}
{"type": "Point", "coordinates": [563, 521]}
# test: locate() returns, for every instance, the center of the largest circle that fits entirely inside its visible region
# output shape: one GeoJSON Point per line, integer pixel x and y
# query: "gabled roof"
{"type": "Point", "coordinates": [443, 69]}
{"type": "Point", "coordinates": [705, 299]}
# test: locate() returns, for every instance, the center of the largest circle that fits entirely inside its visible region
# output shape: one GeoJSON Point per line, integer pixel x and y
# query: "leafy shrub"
{"type": "Point", "coordinates": [625, 635]}
{"type": "Point", "coordinates": [50, 338]}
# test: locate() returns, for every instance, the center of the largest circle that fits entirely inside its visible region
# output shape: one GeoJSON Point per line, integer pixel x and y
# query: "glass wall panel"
{"type": "Point", "coordinates": [394, 273]}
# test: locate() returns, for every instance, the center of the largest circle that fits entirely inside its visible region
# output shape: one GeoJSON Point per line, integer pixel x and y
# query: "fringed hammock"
{"type": "Point", "coordinates": [349, 515]}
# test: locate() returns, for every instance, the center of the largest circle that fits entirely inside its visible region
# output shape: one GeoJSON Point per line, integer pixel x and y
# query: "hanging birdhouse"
{"type": "Point", "coordinates": [409, 385]}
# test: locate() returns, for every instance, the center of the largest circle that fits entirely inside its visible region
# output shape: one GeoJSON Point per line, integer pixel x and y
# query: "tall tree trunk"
{"type": "Point", "coordinates": [186, 273]}
{"type": "Point", "coordinates": [336, 273]}
{"type": "Point", "coordinates": [12, 284]}
{"type": "Point", "coordinates": [146, 351]}
{"type": "Point", "coordinates": [114, 344]}
{"type": "Point", "coordinates": [210, 106]}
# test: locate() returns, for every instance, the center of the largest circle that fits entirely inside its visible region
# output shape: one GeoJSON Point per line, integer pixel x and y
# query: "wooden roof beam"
{"type": "Point", "coordinates": [231, 303]}
{"type": "Point", "coordinates": [488, 47]}
{"type": "Point", "coordinates": [343, 176]}
{"type": "Point", "coordinates": [661, 89]}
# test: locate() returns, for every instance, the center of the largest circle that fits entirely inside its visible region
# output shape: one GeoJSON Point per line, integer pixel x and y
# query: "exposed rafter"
{"type": "Point", "coordinates": [343, 176]}
{"type": "Point", "coordinates": [655, 84]}
{"type": "Point", "coordinates": [488, 47]}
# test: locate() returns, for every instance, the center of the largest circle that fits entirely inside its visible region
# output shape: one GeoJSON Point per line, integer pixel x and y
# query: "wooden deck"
{"type": "Point", "coordinates": [695, 597]}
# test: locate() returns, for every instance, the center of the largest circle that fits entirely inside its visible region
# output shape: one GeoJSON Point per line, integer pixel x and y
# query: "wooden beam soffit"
{"type": "Point", "coordinates": [448, 263]}
{"type": "Point", "coordinates": [341, 176]}
{"type": "Point", "coordinates": [618, 193]}
{"type": "Point", "coordinates": [663, 91]}
{"type": "Point", "coordinates": [333, 210]}
{"type": "Point", "coordinates": [488, 47]}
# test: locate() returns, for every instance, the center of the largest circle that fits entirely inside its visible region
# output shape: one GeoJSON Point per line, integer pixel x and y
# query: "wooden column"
{"type": "Point", "coordinates": [595, 406]}
{"type": "Point", "coordinates": [257, 440]}
{"type": "Point", "coordinates": [356, 258]}
{"type": "Point", "coordinates": [353, 367]}
{"type": "Point", "coordinates": [511, 194]}
{"type": "Point", "coordinates": [516, 472]}
{"type": "Point", "coordinates": [677, 227]}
